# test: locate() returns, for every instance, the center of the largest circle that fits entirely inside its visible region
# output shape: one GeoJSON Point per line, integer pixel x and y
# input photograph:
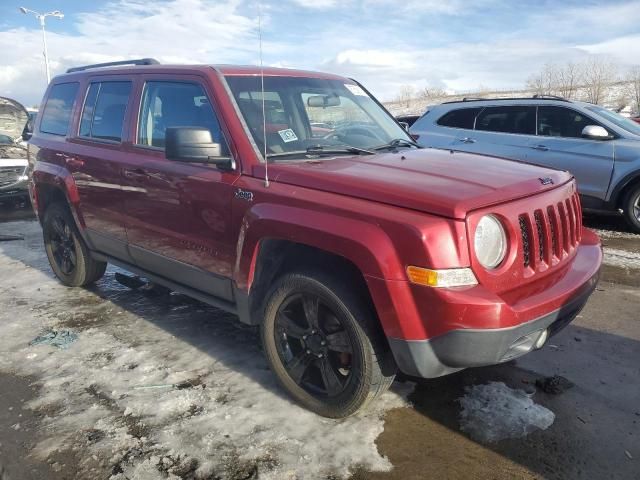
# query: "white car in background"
{"type": "Point", "coordinates": [13, 150]}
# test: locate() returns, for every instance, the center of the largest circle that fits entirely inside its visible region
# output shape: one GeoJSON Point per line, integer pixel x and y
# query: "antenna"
{"type": "Point", "coordinates": [264, 114]}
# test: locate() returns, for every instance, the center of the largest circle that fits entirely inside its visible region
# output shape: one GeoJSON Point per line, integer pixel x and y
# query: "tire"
{"type": "Point", "coordinates": [67, 253]}
{"type": "Point", "coordinates": [354, 352]}
{"type": "Point", "coordinates": [631, 208]}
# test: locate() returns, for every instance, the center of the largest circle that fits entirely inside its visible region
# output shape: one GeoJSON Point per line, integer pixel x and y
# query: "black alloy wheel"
{"type": "Point", "coordinates": [314, 345]}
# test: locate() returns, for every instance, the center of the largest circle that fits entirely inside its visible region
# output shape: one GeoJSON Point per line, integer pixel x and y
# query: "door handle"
{"type": "Point", "coordinates": [541, 148]}
{"type": "Point", "coordinates": [466, 140]}
{"type": "Point", "coordinates": [135, 173]}
{"type": "Point", "coordinates": [74, 162]}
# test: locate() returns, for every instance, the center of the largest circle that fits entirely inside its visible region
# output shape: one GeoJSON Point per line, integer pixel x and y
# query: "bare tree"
{"type": "Point", "coordinates": [599, 74]}
{"type": "Point", "coordinates": [406, 94]}
{"type": "Point", "coordinates": [543, 83]}
{"type": "Point", "coordinates": [432, 93]}
{"type": "Point", "coordinates": [633, 77]}
{"type": "Point", "coordinates": [567, 78]}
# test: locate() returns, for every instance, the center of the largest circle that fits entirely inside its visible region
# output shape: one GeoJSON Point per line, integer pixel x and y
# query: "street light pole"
{"type": "Point", "coordinates": [41, 17]}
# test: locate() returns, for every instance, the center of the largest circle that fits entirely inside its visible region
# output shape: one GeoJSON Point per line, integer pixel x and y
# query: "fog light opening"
{"type": "Point", "coordinates": [542, 339]}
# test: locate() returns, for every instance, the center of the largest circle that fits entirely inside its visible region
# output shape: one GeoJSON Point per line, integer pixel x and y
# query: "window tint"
{"type": "Point", "coordinates": [324, 119]}
{"type": "Point", "coordinates": [461, 118]}
{"type": "Point", "coordinates": [561, 122]}
{"type": "Point", "coordinates": [87, 111]}
{"type": "Point", "coordinates": [108, 113]}
{"type": "Point", "coordinates": [57, 111]}
{"type": "Point", "coordinates": [175, 104]}
{"type": "Point", "coordinates": [512, 119]}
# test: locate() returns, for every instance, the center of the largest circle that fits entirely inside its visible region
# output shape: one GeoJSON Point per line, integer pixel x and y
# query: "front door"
{"type": "Point", "coordinates": [178, 214]}
{"type": "Point", "coordinates": [560, 145]}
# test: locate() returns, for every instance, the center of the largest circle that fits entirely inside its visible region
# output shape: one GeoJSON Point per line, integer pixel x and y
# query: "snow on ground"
{"type": "Point", "coordinates": [162, 384]}
{"type": "Point", "coordinates": [621, 258]}
{"type": "Point", "coordinates": [493, 412]}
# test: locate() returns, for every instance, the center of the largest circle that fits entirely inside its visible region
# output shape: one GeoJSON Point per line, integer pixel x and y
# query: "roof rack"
{"type": "Point", "coordinates": [504, 99]}
{"type": "Point", "coordinates": [140, 61]}
{"type": "Point", "coordinates": [542, 96]}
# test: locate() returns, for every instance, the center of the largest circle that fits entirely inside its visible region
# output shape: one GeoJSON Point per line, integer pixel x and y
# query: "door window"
{"type": "Point", "coordinates": [519, 119]}
{"type": "Point", "coordinates": [561, 122]}
{"type": "Point", "coordinates": [57, 111]}
{"type": "Point", "coordinates": [461, 118]}
{"type": "Point", "coordinates": [104, 110]}
{"type": "Point", "coordinates": [175, 104]}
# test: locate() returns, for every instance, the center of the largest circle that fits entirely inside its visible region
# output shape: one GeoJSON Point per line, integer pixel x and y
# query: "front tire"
{"type": "Point", "coordinates": [68, 255]}
{"type": "Point", "coordinates": [322, 341]}
{"type": "Point", "coordinates": [632, 208]}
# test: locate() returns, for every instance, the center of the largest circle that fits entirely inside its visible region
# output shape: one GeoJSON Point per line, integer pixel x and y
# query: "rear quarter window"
{"type": "Point", "coordinates": [460, 118]}
{"type": "Point", "coordinates": [57, 110]}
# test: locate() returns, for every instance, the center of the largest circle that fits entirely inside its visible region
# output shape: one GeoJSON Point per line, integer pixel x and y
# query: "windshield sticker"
{"type": "Point", "coordinates": [287, 135]}
{"type": "Point", "coordinates": [355, 89]}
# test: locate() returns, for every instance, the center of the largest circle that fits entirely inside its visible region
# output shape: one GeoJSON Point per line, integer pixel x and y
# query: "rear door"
{"type": "Point", "coordinates": [503, 131]}
{"type": "Point", "coordinates": [559, 144]}
{"type": "Point", "coordinates": [93, 157]}
{"type": "Point", "coordinates": [178, 213]}
{"type": "Point", "coordinates": [438, 130]}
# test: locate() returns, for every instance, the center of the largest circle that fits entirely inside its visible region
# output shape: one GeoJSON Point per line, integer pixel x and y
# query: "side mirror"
{"type": "Point", "coordinates": [404, 125]}
{"type": "Point", "coordinates": [194, 144]}
{"type": "Point", "coordinates": [596, 132]}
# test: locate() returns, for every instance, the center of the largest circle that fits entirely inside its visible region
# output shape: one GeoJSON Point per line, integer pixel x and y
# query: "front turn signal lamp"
{"type": "Point", "coordinates": [451, 277]}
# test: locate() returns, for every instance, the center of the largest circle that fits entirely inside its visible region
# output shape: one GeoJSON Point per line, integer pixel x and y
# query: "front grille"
{"type": "Point", "coordinates": [9, 175]}
{"type": "Point", "coordinates": [557, 231]}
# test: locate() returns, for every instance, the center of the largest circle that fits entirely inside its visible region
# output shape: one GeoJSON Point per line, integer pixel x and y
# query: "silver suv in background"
{"type": "Point", "coordinates": [599, 147]}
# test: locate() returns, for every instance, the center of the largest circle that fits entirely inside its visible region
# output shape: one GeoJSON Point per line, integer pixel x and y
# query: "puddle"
{"type": "Point", "coordinates": [494, 412]}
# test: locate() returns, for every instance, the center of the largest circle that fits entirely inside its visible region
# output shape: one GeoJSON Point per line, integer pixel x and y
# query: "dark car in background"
{"type": "Point", "coordinates": [13, 152]}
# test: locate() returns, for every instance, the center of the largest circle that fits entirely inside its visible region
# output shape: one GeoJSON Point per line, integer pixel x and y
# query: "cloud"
{"type": "Point", "coordinates": [383, 43]}
{"type": "Point", "coordinates": [178, 31]}
{"type": "Point", "coordinates": [317, 4]}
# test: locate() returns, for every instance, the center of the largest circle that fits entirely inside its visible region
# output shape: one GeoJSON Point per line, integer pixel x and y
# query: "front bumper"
{"type": "Point", "coordinates": [459, 328]}
{"type": "Point", "coordinates": [17, 189]}
{"type": "Point", "coordinates": [13, 178]}
{"type": "Point", "coordinates": [464, 348]}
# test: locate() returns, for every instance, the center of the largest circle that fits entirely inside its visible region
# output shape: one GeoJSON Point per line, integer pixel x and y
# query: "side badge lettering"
{"type": "Point", "coordinates": [244, 195]}
{"type": "Point", "coordinates": [546, 181]}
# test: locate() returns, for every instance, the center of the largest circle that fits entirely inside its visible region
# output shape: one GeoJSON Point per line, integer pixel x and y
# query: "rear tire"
{"type": "Point", "coordinates": [631, 208]}
{"type": "Point", "coordinates": [68, 255]}
{"type": "Point", "coordinates": [323, 342]}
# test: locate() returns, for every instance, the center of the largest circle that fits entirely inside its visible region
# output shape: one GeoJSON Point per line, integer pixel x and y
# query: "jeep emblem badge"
{"type": "Point", "coordinates": [244, 195]}
{"type": "Point", "coordinates": [546, 181]}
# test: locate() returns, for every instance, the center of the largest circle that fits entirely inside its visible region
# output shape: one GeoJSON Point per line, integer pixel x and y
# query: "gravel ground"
{"type": "Point", "coordinates": [154, 385]}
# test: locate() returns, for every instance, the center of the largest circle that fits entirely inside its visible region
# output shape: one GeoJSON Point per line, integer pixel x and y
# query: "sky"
{"type": "Point", "coordinates": [385, 44]}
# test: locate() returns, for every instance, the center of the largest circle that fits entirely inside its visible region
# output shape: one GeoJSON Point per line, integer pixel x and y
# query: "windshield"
{"type": "Point", "coordinates": [617, 119]}
{"type": "Point", "coordinates": [304, 113]}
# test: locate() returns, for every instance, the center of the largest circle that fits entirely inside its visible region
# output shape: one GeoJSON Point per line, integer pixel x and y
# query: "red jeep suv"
{"type": "Point", "coordinates": [357, 252]}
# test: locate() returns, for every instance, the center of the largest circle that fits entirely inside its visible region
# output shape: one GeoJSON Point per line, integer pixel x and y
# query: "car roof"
{"type": "Point", "coordinates": [224, 69]}
{"type": "Point", "coordinates": [485, 102]}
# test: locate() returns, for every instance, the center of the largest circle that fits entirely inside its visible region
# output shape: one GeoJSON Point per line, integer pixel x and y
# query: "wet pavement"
{"type": "Point", "coordinates": [160, 386]}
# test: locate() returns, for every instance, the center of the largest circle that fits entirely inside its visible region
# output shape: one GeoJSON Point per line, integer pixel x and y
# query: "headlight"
{"type": "Point", "coordinates": [490, 242]}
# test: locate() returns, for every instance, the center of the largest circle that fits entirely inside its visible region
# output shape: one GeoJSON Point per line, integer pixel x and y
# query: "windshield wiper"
{"type": "Point", "coordinates": [325, 150]}
{"type": "Point", "coordinates": [398, 142]}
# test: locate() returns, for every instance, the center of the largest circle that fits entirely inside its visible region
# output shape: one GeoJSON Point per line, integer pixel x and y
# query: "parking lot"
{"type": "Point", "coordinates": [152, 381]}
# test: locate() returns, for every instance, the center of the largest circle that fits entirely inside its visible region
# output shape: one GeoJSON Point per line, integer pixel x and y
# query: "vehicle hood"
{"type": "Point", "coordinates": [441, 182]}
{"type": "Point", "coordinates": [13, 117]}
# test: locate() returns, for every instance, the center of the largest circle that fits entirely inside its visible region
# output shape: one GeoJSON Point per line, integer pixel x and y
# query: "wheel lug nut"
{"type": "Point", "coordinates": [320, 355]}
{"type": "Point", "coordinates": [323, 343]}
{"type": "Point", "coordinates": [304, 337]}
{"type": "Point", "coordinates": [308, 351]}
